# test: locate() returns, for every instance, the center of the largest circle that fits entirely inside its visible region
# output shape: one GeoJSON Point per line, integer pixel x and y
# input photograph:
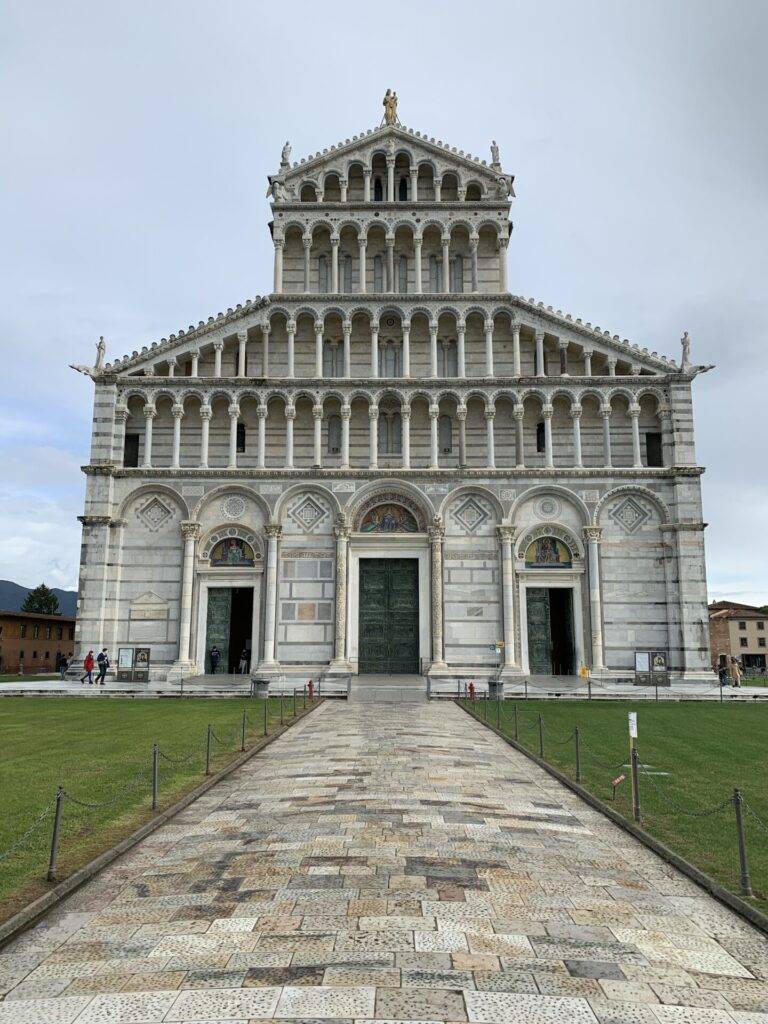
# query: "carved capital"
{"type": "Point", "coordinates": [177, 411]}
{"type": "Point", "coordinates": [273, 530]}
{"type": "Point", "coordinates": [506, 533]}
{"type": "Point", "coordinates": [150, 412]}
{"type": "Point", "coordinates": [538, 335]}
{"type": "Point", "coordinates": [461, 412]}
{"type": "Point", "coordinates": [261, 412]}
{"type": "Point", "coordinates": [290, 326]}
{"type": "Point", "coordinates": [576, 411]}
{"type": "Point", "coordinates": [234, 411]}
{"type": "Point", "coordinates": [190, 529]}
{"type": "Point", "coordinates": [437, 530]}
{"type": "Point", "coordinates": [434, 412]}
{"type": "Point", "coordinates": [562, 344]}
{"type": "Point", "coordinates": [206, 412]}
{"type": "Point", "coordinates": [219, 345]}
{"type": "Point", "coordinates": [319, 326]}
{"type": "Point", "coordinates": [346, 412]}
{"type": "Point", "coordinates": [373, 412]}
{"type": "Point", "coordinates": [121, 413]}
{"type": "Point", "coordinates": [317, 412]}
{"type": "Point", "coordinates": [405, 412]}
{"type": "Point", "coordinates": [634, 410]}
{"type": "Point", "coordinates": [518, 412]}
{"type": "Point", "coordinates": [290, 412]}
{"type": "Point", "coordinates": [306, 242]}
{"type": "Point", "coordinates": [592, 533]}
{"type": "Point", "coordinates": [605, 409]}
{"type": "Point", "coordinates": [490, 414]}
{"type": "Point", "coordinates": [547, 410]}
{"type": "Point", "coordinates": [242, 336]}
{"type": "Point", "coordinates": [278, 242]}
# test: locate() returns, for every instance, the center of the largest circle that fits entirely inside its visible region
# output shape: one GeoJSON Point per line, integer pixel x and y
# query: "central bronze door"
{"type": "Point", "coordinates": [389, 615]}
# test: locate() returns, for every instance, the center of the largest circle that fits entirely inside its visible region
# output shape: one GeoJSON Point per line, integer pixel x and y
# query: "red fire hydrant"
{"type": "Point", "coordinates": [471, 689]}
{"type": "Point", "coordinates": [310, 689]}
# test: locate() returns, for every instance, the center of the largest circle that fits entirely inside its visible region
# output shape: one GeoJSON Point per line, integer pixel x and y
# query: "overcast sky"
{"type": "Point", "coordinates": [136, 140]}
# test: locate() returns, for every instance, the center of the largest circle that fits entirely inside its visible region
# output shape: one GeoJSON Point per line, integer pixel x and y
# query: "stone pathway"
{"type": "Point", "coordinates": [388, 863]}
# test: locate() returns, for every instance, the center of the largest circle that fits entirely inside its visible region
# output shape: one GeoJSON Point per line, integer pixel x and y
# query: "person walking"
{"type": "Point", "coordinates": [215, 657]}
{"type": "Point", "coordinates": [63, 666]}
{"type": "Point", "coordinates": [88, 666]}
{"type": "Point", "coordinates": [243, 666]}
{"type": "Point", "coordinates": [103, 662]}
{"type": "Point", "coordinates": [722, 670]}
{"type": "Point", "coordinates": [736, 673]}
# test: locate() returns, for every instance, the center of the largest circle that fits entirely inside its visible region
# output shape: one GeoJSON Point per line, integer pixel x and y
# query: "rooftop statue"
{"type": "Point", "coordinates": [494, 154]}
{"type": "Point", "coordinates": [285, 155]}
{"type": "Point", "coordinates": [390, 107]}
{"type": "Point", "coordinates": [685, 341]}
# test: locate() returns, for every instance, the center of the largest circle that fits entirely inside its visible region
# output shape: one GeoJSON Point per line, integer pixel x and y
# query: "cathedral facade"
{"type": "Point", "coordinates": [390, 463]}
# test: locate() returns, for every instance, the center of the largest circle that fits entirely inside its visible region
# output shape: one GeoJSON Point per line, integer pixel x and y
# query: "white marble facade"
{"type": "Point", "coordinates": [391, 363]}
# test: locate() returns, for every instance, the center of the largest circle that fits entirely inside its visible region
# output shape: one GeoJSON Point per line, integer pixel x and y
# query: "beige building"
{"type": "Point", "coordinates": [740, 631]}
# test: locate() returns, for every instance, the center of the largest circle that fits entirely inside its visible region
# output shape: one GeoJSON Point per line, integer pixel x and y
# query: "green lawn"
{"type": "Point", "coordinates": [700, 752]}
{"type": "Point", "coordinates": [101, 750]}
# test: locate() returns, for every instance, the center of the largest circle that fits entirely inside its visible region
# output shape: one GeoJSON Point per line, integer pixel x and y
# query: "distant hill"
{"type": "Point", "coordinates": [12, 597]}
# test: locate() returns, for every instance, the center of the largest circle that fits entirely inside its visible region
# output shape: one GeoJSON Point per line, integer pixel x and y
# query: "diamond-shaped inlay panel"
{"type": "Point", "coordinates": [308, 514]}
{"type": "Point", "coordinates": [154, 514]}
{"type": "Point", "coordinates": [630, 515]}
{"type": "Point", "coordinates": [470, 515]}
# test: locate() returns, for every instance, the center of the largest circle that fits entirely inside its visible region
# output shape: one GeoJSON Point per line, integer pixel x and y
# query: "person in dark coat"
{"type": "Point", "coordinates": [215, 657]}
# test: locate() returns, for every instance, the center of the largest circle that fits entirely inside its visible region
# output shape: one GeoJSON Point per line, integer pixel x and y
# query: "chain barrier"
{"type": "Point", "coordinates": [128, 787]}
{"type": "Point", "coordinates": [184, 759]}
{"type": "Point", "coordinates": [18, 843]}
{"type": "Point", "coordinates": [560, 743]}
{"type": "Point", "coordinates": [707, 813]}
{"type": "Point", "coordinates": [758, 820]}
{"type": "Point", "coordinates": [603, 764]}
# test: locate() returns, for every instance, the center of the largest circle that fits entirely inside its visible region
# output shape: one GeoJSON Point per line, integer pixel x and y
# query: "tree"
{"type": "Point", "coordinates": [42, 600]}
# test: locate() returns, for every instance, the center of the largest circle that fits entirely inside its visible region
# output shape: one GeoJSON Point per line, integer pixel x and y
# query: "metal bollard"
{"type": "Point", "coordinates": [589, 688]}
{"type": "Point", "coordinates": [635, 785]}
{"type": "Point", "coordinates": [526, 687]}
{"type": "Point", "coordinates": [155, 760]}
{"type": "Point", "coordinates": [266, 711]}
{"type": "Point", "coordinates": [245, 726]}
{"type": "Point", "coordinates": [517, 734]}
{"type": "Point", "coordinates": [294, 702]}
{"type": "Point", "coordinates": [541, 736]}
{"type": "Point", "coordinates": [208, 738]}
{"type": "Point", "coordinates": [56, 832]}
{"type": "Point", "coordinates": [304, 697]}
{"type": "Point", "coordinates": [577, 738]}
{"type": "Point", "coordinates": [281, 709]}
{"type": "Point", "coordinates": [498, 713]}
{"type": "Point", "coordinates": [746, 885]}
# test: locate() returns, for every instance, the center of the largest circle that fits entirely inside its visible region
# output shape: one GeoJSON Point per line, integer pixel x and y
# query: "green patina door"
{"type": "Point", "coordinates": [217, 629]}
{"type": "Point", "coordinates": [539, 631]}
{"type": "Point", "coordinates": [389, 615]}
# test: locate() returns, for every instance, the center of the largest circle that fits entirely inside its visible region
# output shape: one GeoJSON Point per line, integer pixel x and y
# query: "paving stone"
{"type": "Point", "coordinates": [50, 1011]}
{"type": "Point", "coordinates": [411, 1004]}
{"type": "Point", "coordinates": [509, 1008]}
{"type": "Point", "coordinates": [326, 1002]}
{"type": "Point", "coordinates": [128, 1008]}
{"type": "Point", "coordinates": [226, 1004]}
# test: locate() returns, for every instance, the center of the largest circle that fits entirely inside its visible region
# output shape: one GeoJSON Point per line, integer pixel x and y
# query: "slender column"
{"type": "Point", "coordinates": [390, 242]}
{"type": "Point", "coordinates": [367, 171]}
{"type": "Point", "coordinates": [291, 329]}
{"type": "Point", "coordinates": [576, 417]}
{"type": "Point", "coordinates": [265, 350]}
{"type": "Point", "coordinates": [461, 333]}
{"type": "Point", "coordinates": [418, 285]}
{"type": "Point", "coordinates": [506, 536]}
{"type": "Point", "coordinates": [373, 419]}
{"type": "Point", "coordinates": [340, 625]}
{"type": "Point", "coordinates": [118, 439]}
{"type": "Point", "coordinates": [347, 329]}
{"type": "Point", "coordinates": [473, 258]}
{"type": "Point", "coordinates": [172, 366]}
{"type": "Point", "coordinates": [611, 367]}
{"type": "Point", "coordinates": [438, 190]}
{"type": "Point", "coordinates": [261, 413]}
{"type": "Point", "coordinates": [518, 412]}
{"type": "Point", "coordinates": [490, 442]}
{"type": "Point", "coordinates": [406, 348]}
{"type": "Point", "coordinates": [190, 532]}
{"type": "Point", "coordinates": [516, 364]}
{"type": "Point", "coordinates": [405, 418]}
{"type": "Point", "coordinates": [433, 350]}
{"type": "Point", "coordinates": [390, 179]}
{"type": "Point", "coordinates": [587, 362]}
{"type": "Point", "coordinates": [218, 348]}
{"type": "Point", "coordinates": [434, 459]}
{"type": "Point", "coordinates": [637, 458]}
{"type": "Point", "coordinates": [278, 282]}
{"type": "Point", "coordinates": [461, 414]}
{"type": "Point", "coordinates": [374, 350]}
{"type": "Point", "coordinates": [234, 413]}
{"type": "Point", "coordinates": [307, 253]}
{"type": "Point", "coordinates": [205, 425]}
{"type": "Point", "coordinates": [541, 369]}
{"type": "Point", "coordinates": [317, 413]}
{"type": "Point", "coordinates": [592, 535]}
{"type": "Point", "coordinates": [274, 532]}
{"type": "Point", "coordinates": [334, 265]}
{"type": "Point", "coordinates": [242, 339]}
{"type": "Point", "coordinates": [546, 412]}
{"type": "Point", "coordinates": [346, 412]}
{"type": "Point", "coordinates": [436, 537]}
{"type": "Point", "coordinates": [361, 259]}
{"type": "Point", "coordinates": [446, 264]}
{"type": "Point", "coordinates": [149, 414]}
{"type": "Point", "coordinates": [318, 348]}
{"type": "Point", "coordinates": [414, 184]}
{"type": "Point", "coordinates": [343, 184]}
{"type": "Point", "coordinates": [195, 362]}
{"type": "Point", "coordinates": [605, 412]}
{"type": "Point", "coordinates": [667, 435]}
{"type": "Point", "coordinates": [290, 416]}
{"type": "Point", "coordinates": [503, 242]}
{"type": "Point", "coordinates": [562, 345]}
{"type": "Point", "coordinates": [488, 348]}
{"type": "Point", "coordinates": [178, 414]}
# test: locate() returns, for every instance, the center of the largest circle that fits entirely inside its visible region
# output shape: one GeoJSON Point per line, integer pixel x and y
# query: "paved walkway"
{"type": "Point", "coordinates": [389, 863]}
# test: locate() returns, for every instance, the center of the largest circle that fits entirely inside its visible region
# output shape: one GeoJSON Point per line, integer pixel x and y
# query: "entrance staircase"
{"type": "Point", "coordinates": [400, 689]}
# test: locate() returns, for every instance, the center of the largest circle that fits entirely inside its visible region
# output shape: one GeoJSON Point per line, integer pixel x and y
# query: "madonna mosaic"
{"type": "Point", "coordinates": [389, 518]}
{"type": "Point", "coordinates": [547, 553]}
{"type": "Point", "coordinates": [232, 551]}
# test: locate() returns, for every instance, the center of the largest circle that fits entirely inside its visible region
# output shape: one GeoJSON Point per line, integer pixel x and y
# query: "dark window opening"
{"type": "Point", "coordinates": [402, 190]}
{"type": "Point", "coordinates": [240, 446]}
{"type": "Point", "coordinates": [131, 451]}
{"type": "Point", "coordinates": [653, 456]}
{"type": "Point", "coordinates": [540, 443]}
{"type": "Point", "coordinates": [378, 191]}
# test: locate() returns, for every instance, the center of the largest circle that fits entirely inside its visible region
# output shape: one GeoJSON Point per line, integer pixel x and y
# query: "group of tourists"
{"type": "Point", "coordinates": [102, 660]}
{"type": "Point", "coordinates": [729, 671]}
{"type": "Point", "coordinates": [214, 656]}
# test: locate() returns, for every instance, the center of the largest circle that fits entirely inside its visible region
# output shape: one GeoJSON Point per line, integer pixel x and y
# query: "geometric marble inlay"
{"type": "Point", "coordinates": [471, 515]}
{"type": "Point", "coordinates": [154, 514]}
{"type": "Point", "coordinates": [630, 515]}
{"type": "Point", "coordinates": [233, 506]}
{"type": "Point", "coordinates": [307, 514]}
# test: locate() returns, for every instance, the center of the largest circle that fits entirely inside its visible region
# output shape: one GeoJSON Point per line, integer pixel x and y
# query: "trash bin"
{"type": "Point", "coordinates": [259, 687]}
{"type": "Point", "coordinates": [496, 689]}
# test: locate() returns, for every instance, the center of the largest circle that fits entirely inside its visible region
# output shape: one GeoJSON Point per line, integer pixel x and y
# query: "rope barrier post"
{"type": "Point", "coordinates": [281, 708]}
{"type": "Point", "coordinates": [541, 736]}
{"type": "Point", "coordinates": [266, 709]}
{"type": "Point", "coordinates": [304, 696]}
{"type": "Point", "coordinates": [746, 885]}
{"type": "Point", "coordinates": [526, 687]}
{"type": "Point", "coordinates": [589, 688]}
{"type": "Point", "coordinates": [498, 712]}
{"type": "Point", "coordinates": [656, 685]}
{"type": "Point", "coordinates": [294, 702]}
{"type": "Point", "coordinates": [485, 708]}
{"type": "Point", "coordinates": [517, 735]}
{"type": "Point", "coordinates": [155, 760]}
{"type": "Point", "coordinates": [576, 738]}
{"type": "Point", "coordinates": [635, 783]}
{"type": "Point", "coordinates": [245, 726]}
{"type": "Point", "coordinates": [55, 837]}
{"type": "Point", "coordinates": [208, 750]}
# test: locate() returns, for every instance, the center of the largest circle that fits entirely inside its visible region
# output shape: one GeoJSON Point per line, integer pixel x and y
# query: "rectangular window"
{"type": "Point", "coordinates": [47, 655]}
{"type": "Point", "coordinates": [540, 442]}
{"type": "Point", "coordinates": [47, 632]}
{"type": "Point", "coordinates": [653, 454]}
{"type": "Point", "coordinates": [21, 655]}
{"type": "Point", "coordinates": [71, 633]}
{"type": "Point", "coordinates": [23, 630]}
{"type": "Point", "coordinates": [240, 446]}
{"type": "Point", "coordinates": [131, 451]}
{"type": "Point", "coordinates": [743, 641]}
{"type": "Point", "coordinates": [59, 632]}
{"type": "Point", "coordinates": [34, 655]}
{"type": "Point", "coordinates": [761, 641]}
{"type": "Point", "coordinates": [742, 624]}
{"type": "Point", "coordinates": [761, 625]}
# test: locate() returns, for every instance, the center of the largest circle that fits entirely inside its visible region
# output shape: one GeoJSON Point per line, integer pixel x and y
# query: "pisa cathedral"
{"type": "Point", "coordinates": [391, 463]}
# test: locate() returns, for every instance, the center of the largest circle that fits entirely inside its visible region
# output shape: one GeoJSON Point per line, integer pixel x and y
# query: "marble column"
{"type": "Point", "coordinates": [461, 415]}
{"type": "Point", "coordinates": [461, 333]}
{"type": "Point", "coordinates": [177, 412]}
{"type": "Point", "coordinates": [347, 349]}
{"type": "Point", "coordinates": [118, 435]}
{"type": "Point", "coordinates": [605, 412]}
{"type": "Point", "coordinates": [265, 350]}
{"type": "Point", "coordinates": [367, 171]}
{"type": "Point", "coordinates": [519, 412]}
{"type": "Point", "coordinates": [414, 171]}
{"type": "Point", "coordinates": [541, 368]}
{"type": "Point", "coordinates": [390, 244]}
{"type": "Point", "coordinates": [373, 436]}
{"type": "Point", "coordinates": [434, 458]}
{"type": "Point", "coordinates": [319, 348]}
{"type": "Point", "coordinates": [343, 185]}
{"type": "Point", "coordinates": [612, 367]}
{"type": "Point", "coordinates": [261, 414]}
{"type": "Point", "coordinates": [490, 442]}
{"type": "Point", "coordinates": [361, 260]}
{"type": "Point", "coordinates": [436, 538]}
{"type": "Point", "coordinates": [172, 364]}
{"type": "Point", "coordinates": [307, 263]}
{"type": "Point", "coordinates": [488, 327]}
{"type": "Point", "coordinates": [390, 179]}
{"type": "Point", "coordinates": [190, 531]}
{"type": "Point", "coordinates": [149, 414]}
{"type": "Point", "coordinates": [433, 350]}
{"type": "Point", "coordinates": [374, 350]}
{"type": "Point", "coordinates": [419, 286]}
{"type": "Point", "coordinates": [218, 348]}
{"type": "Point", "coordinates": [503, 242]}
{"type": "Point", "coordinates": [290, 416]}
{"type": "Point", "coordinates": [205, 427]}
{"type": "Point", "coordinates": [562, 345]}
{"type": "Point", "coordinates": [576, 417]}
{"type": "Point", "coordinates": [438, 182]}
{"type": "Point", "coordinates": [546, 412]}
{"type": "Point", "coordinates": [446, 275]}
{"type": "Point", "coordinates": [340, 620]}
{"type": "Point", "coordinates": [317, 416]}
{"type": "Point", "coordinates": [334, 265]}
{"type": "Point", "coordinates": [506, 536]}
{"type": "Point", "coordinates": [278, 282]}
{"type": "Point", "coordinates": [592, 536]}
{"type": "Point", "coordinates": [405, 418]}
{"type": "Point", "coordinates": [234, 414]}
{"type": "Point", "coordinates": [516, 362]}
{"type": "Point", "coordinates": [587, 362]}
{"type": "Point", "coordinates": [291, 330]}
{"type": "Point", "coordinates": [637, 458]}
{"type": "Point", "coordinates": [406, 348]}
{"type": "Point", "coordinates": [195, 362]}
{"type": "Point", "coordinates": [242, 340]}
{"type": "Point", "coordinates": [667, 435]}
{"type": "Point", "coordinates": [274, 532]}
{"type": "Point", "coordinates": [474, 286]}
{"type": "Point", "coordinates": [346, 413]}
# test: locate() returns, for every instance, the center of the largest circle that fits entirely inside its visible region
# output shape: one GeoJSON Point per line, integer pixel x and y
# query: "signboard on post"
{"type": "Point", "coordinates": [125, 664]}
{"type": "Point", "coordinates": [633, 725]}
{"type": "Point", "coordinates": [141, 664]}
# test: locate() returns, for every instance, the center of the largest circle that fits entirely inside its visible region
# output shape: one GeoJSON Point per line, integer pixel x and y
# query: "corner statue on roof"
{"type": "Point", "coordinates": [391, 462]}
{"type": "Point", "coordinates": [101, 351]}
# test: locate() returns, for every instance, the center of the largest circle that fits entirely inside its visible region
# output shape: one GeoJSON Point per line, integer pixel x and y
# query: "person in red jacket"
{"type": "Point", "coordinates": [88, 666]}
